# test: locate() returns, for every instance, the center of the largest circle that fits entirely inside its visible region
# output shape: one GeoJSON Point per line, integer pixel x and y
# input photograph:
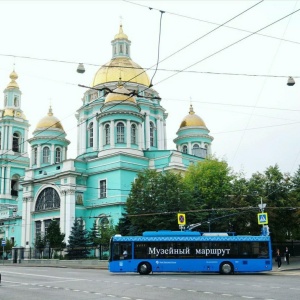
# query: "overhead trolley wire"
{"type": "Point", "coordinates": [212, 23]}
{"type": "Point", "coordinates": [230, 45]}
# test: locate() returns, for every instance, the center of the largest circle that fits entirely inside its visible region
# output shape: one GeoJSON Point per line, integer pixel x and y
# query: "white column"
{"type": "Point", "coordinates": [64, 154]}
{"type": "Point", "coordinates": [78, 138]}
{"type": "Point", "coordinates": [101, 135]}
{"type": "Point", "coordinates": [159, 136]}
{"type": "Point", "coordinates": [39, 149]}
{"type": "Point", "coordinates": [209, 149]}
{"type": "Point", "coordinates": [6, 138]}
{"type": "Point", "coordinates": [25, 144]}
{"type": "Point", "coordinates": [112, 134]}
{"type": "Point", "coordinates": [10, 136]}
{"type": "Point", "coordinates": [140, 136]}
{"type": "Point", "coordinates": [163, 138]}
{"type": "Point", "coordinates": [128, 127]}
{"type": "Point", "coordinates": [95, 134]}
{"type": "Point", "coordinates": [62, 213]}
{"type": "Point", "coordinates": [31, 157]}
{"type": "Point", "coordinates": [2, 137]}
{"type": "Point", "coordinates": [2, 179]}
{"type": "Point", "coordinates": [70, 212]}
{"type": "Point", "coordinates": [83, 137]}
{"type": "Point", "coordinates": [189, 148]}
{"type": "Point", "coordinates": [7, 180]}
{"type": "Point", "coordinates": [52, 156]}
{"type": "Point", "coordinates": [26, 222]}
{"type": "Point", "coordinates": [147, 131]}
{"type": "Point", "coordinates": [165, 135]}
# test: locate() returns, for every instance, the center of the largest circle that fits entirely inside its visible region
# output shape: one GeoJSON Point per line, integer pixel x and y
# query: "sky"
{"type": "Point", "coordinates": [230, 59]}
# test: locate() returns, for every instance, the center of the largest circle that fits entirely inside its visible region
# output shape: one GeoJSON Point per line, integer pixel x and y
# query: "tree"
{"type": "Point", "coordinates": [106, 232]}
{"type": "Point", "coordinates": [78, 241]}
{"type": "Point", "coordinates": [154, 200]}
{"type": "Point", "coordinates": [40, 244]}
{"type": "Point", "coordinates": [294, 202]}
{"type": "Point", "coordinates": [210, 182]}
{"type": "Point", "coordinates": [276, 198]}
{"type": "Point", "coordinates": [94, 236]}
{"type": "Point", "coordinates": [125, 227]}
{"type": "Point", "coordinates": [54, 237]}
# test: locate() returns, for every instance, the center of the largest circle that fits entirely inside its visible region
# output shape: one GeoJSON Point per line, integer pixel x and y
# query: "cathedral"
{"type": "Point", "coordinates": [121, 130]}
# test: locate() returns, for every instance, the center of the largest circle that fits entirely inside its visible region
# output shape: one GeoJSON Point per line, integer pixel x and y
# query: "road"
{"type": "Point", "coordinates": [44, 283]}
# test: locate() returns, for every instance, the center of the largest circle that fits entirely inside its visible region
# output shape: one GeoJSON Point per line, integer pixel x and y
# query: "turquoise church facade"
{"type": "Point", "coordinates": [121, 130]}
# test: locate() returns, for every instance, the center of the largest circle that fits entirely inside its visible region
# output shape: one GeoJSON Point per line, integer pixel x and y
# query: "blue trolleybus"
{"type": "Point", "coordinates": [190, 251]}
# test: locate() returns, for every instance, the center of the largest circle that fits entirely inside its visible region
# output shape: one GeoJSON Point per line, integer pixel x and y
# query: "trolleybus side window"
{"type": "Point", "coordinates": [122, 251]}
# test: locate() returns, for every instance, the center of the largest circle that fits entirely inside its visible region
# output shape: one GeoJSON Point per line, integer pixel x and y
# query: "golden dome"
{"type": "Point", "coordinates": [49, 122]}
{"type": "Point", "coordinates": [120, 94]}
{"type": "Point", "coordinates": [13, 84]}
{"type": "Point", "coordinates": [121, 34]}
{"type": "Point", "coordinates": [192, 120]}
{"type": "Point", "coordinates": [122, 67]}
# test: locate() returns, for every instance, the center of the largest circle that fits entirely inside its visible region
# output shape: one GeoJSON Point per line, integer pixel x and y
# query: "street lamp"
{"type": "Point", "coordinates": [80, 68]}
{"type": "Point", "coordinates": [290, 81]}
{"type": "Point", "coordinates": [262, 205]}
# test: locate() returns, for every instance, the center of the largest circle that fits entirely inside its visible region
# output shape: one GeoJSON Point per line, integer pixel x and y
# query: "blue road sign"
{"type": "Point", "coordinates": [262, 218]}
{"type": "Point", "coordinates": [3, 243]}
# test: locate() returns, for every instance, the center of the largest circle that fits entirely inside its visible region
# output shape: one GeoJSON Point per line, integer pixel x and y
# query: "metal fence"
{"type": "Point", "coordinates": [294, 247]}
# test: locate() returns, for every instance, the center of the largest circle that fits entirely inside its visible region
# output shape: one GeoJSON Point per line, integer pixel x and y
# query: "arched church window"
{"type": "Point", "coordinates": [133, 134]}
{"type": "Point", "coordinates": [16, 101]}
{"type": "Point", "coordinates": [127, 49]}
{"type": "Point", "coordinates": [120, 133]}
{"type": "Point", "coordinates": [16, 142]}
{"type": "Point", "coordinates": [47, 199]}
{"type": "Point", "coordinates": [103, 222]}
{"type": "Point", "coordinates": [35, 155]}
{"type": "Point", "coordinates": [121, 48]}
{"type": "Point", "coordinates": [91, 135]}
{"type": "Point", "coordinates": [107, 134]}
{"type": "Point", "coordinates": [14, 185]}
{"type": "Point", "coordinates": [5, 101]}
{"type": "Point", "coordinates": [151, 134]}
{"type": "Point", "coordinates": [184, 149]}
{"type": "Point", "coordinates": [57, 155]}
{"type": "Point", "coordinates": [46, 155]}
{"type": "Point", "coordinates": [115, 50]}
{"type": "Point", "coordinates": [196, 150]}
{"type": "Point", "coordinates": [0, 140]}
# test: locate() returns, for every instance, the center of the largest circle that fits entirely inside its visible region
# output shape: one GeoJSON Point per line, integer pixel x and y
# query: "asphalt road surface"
{"type": "Point", "coordinates": [44, 283]}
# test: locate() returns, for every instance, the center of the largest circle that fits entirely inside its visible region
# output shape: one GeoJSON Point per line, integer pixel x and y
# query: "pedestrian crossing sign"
{"type": "Point", "coordinates": [181, 219]}
{"type": "Point", "coordinates": [262, 218]}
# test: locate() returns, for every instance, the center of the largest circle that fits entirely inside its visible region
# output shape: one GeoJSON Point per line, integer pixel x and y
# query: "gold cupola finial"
{"type": "Point", "coordinates": [191, 110]}
{"type": "Point", "coordinates": [121, 34]}
{"type": "Point", "coordinates": [50, 113]}
{"type": "Point", "coordinates": [13, 77]}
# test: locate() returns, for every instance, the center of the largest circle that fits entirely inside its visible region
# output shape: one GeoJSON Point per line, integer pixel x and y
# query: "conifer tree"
{"type": "Point", "coordinates": [54, 237]}
{"type": "Point", "coordinates": [94, 236]}
{"type": "Point", "coordinates": [78, 242]}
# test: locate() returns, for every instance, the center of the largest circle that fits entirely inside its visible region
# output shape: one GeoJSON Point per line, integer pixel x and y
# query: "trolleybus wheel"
{"type": "Point", "coordinates": [226, 268]}
{"type": "Point", "coordinates": [144, 268]}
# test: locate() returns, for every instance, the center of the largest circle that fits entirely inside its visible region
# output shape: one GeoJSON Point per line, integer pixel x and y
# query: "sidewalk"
{"type": "Point", "coordinates": [294, 264]}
